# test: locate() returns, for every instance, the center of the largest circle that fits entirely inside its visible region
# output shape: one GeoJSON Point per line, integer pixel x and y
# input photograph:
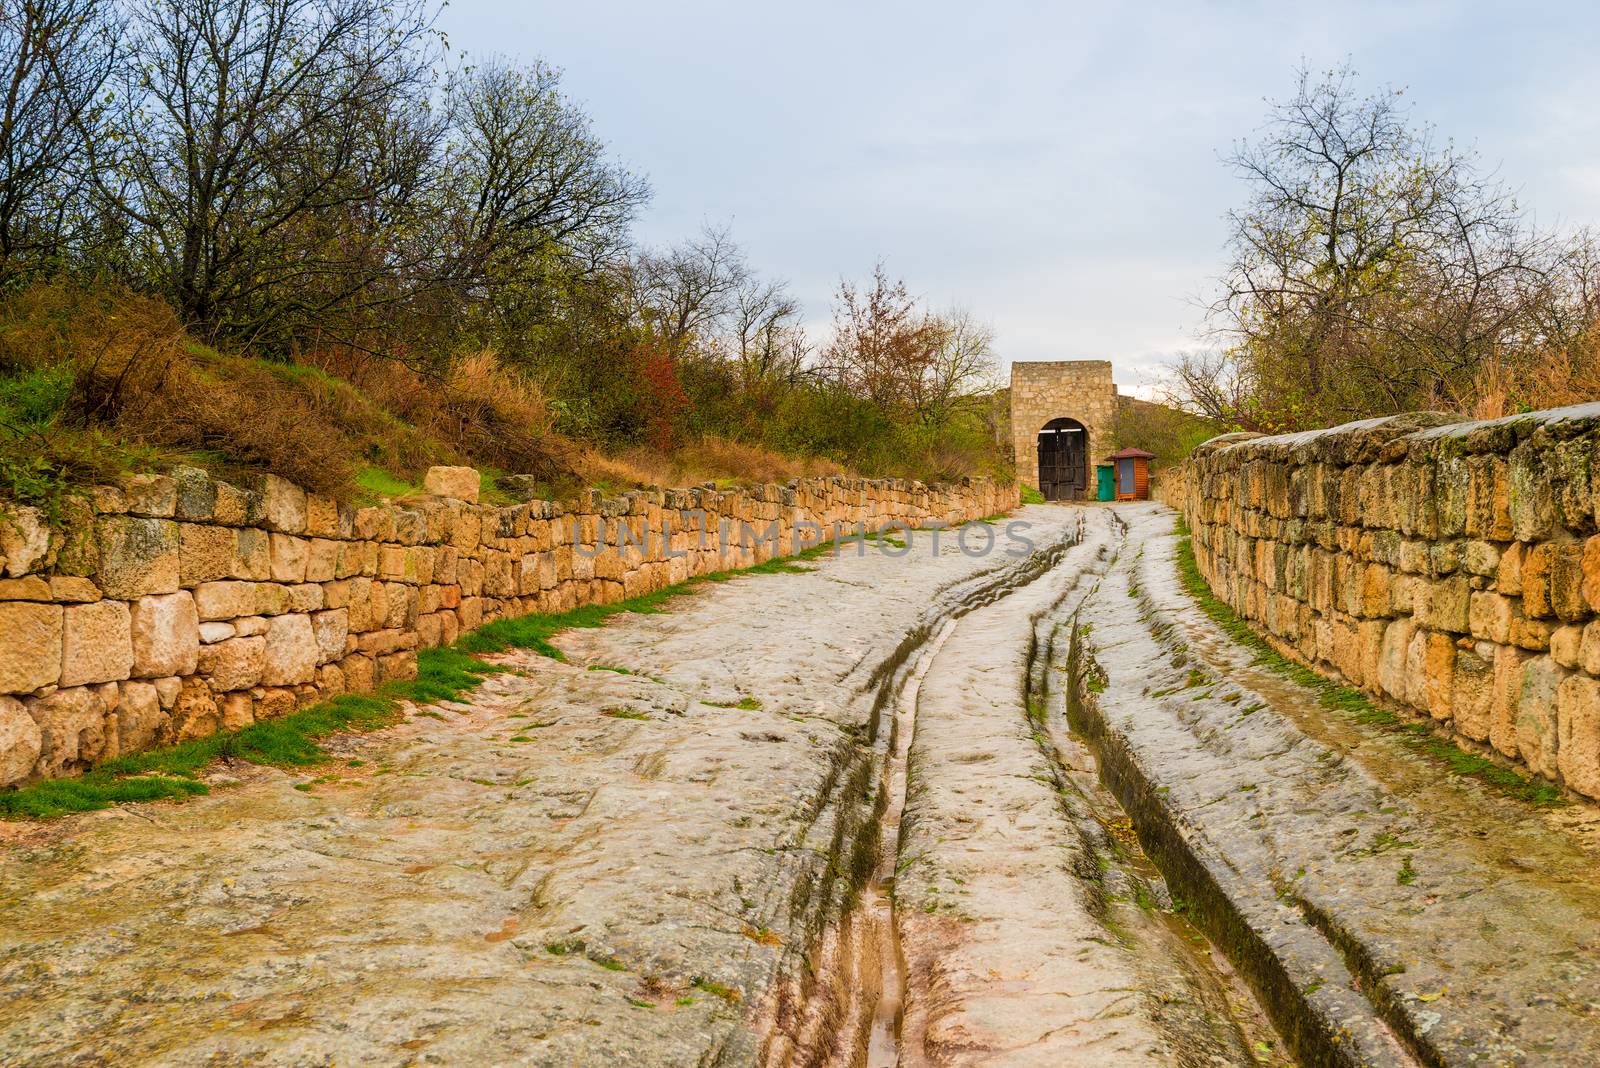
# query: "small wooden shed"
{"type": "Point", "coordinates": [1133, 473]}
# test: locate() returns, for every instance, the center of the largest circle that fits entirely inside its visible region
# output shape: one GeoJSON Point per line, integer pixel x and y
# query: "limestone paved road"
{"type": "Point", "coordinates": [691, 863]}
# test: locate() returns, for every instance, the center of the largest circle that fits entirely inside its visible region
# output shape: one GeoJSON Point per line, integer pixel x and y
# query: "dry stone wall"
{"type": "Point", "coordinates": [1450, 567]}
{"type": "Point", "coordinates": [170, 607]}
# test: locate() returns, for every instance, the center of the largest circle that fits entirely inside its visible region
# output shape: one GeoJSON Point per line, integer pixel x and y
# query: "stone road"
{"type": "Point", "coordinates": [896, 810]}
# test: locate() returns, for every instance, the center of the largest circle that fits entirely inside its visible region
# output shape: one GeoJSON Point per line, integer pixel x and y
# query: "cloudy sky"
{"type": "Point", "coordinates": [1055, 167]}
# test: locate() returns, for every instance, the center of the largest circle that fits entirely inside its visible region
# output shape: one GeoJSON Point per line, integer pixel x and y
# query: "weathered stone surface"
{"type": "Point", "coordinates": [206, 553]}
{"type": "Point", "coordinates": [214, 631]}
{"type": "Point", "coordinates": [1538, 738]}
{"type": "Point", "coordinates": [237, 710]}
{"type": "Point", "coordinates": [30, 588]}
{"type": "Point", "coordinates": [285, 505]}
{"type": "Point", "coordinates": [194, 713]}
{"type": "Point", "coordinates": [71, 589]}
{"type": "Point", "coordinates": [460, 483]}
{"type": "Point", "coordinates": [137, 556]}
{"type": "Point", "coordinates": [332, 628]}
{"type": "Point", "coordinates": [141, 719]}
{"type": "Point", "coordinates": [166, 635]}
{"type": "Point", "coordinates": [97, 643]}
{"type": "Point", "coordinates": [1578, 754]}
{"type": "Point", "coordinates": [150, 495]}
{"type": "Point", "coordinates": [289, 556]}
{"type": "Point", "coordinates": [30, 645]}
{"type": "Point", "coordinates": [71, 729]}
{"type": "Point", "coordinates": [225, 600]}
{"type": "Point", "coordinates": [291, 651]}
{"type": "Point", "coordinates": [234, 663]}
{"type": "Point", "coordinates": [196, 494]}
{"type": "Point", "coordinates": [25, 541]}
{"type": "Point", "coordinates": [20, 741]}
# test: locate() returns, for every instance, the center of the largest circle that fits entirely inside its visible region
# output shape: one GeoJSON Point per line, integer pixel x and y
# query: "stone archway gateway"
{"type": "Point", "coordinates": [1063, 457]}
{"type": "Point", "coordinates": [1052, 396]}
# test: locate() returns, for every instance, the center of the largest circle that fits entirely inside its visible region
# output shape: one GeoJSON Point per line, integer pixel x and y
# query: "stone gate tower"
{"type": "Point", "coordinates": [1061, 417]}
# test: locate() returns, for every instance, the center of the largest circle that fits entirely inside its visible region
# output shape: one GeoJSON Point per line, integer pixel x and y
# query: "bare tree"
{"type": "Point", "coordinates": [769, 341]}
{"type": "Point", "coordinates": [55, 58]}
{"type": "Point", "coordinates": [1371, 267]}
{"type": "Point", "coordinates": [685, 292]}
{"type": "Point", "coordinates": [960, 362]}
{"type": "Point", "coordinates": [255, 133]}
{"type": "Point", "coordinates": [529, 172]}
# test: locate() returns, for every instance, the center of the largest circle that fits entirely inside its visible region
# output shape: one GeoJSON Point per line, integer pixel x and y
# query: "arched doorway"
{"type": "Point", "coordinates": [1063, 460]}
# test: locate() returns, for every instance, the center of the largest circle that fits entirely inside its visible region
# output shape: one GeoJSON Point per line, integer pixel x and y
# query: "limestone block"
{"type": "Point", "coordinates": [274, 702]}
{"type": "Point", "coordinates": [331, 629]}
{"type": "Point", "coordinates": [167, 690]}
{"type": "Point", "coordinates": [284, 505]}
{"type": "Point", "coordinates": [20, 741]}
{"type": "Point", "coordinates": [205, 553]}
{"type": "Point", "coordinates": [289, 557]}
{"type": "Point", "coordinates": [150, 495]}
{"type": "Point", "coordinates": [166, 635]}
{"type": "Point", "coordinates": [1440, 666]}
{"type": "Point", "coordinates": [237, 710]}
{"type": "Point", "coordinates": [1392, 658]}
{"type": "Point", "coordinates": [459, 483]}
{"type": "Point", "coordinates": [1472, 691]}
{"type": "Point", "coordinates": [30, 645]}
{"type": "Point", "coordinates": [1480, 558]}
{"type": "Point", "coordinates": [140, 718]}
{"type": "Point", "coordinates": [1589, 648]}
{"type": "Point", "coordinates": [235, 663]}
{"type": "Point", "coordinates": [1578, 751]}
{"type": "Point", "coordinates": [1538, 739]}
{"type": "Point", "coordinates": [1566, 645]}
{"type": "Point", "coordinates": [30, 588]}
{"type": "Point", "coordinates": [70, 589]}
{"type": "Point", "coordinates": [1566, 582]}
{"type": "Point", "coordinates": [26, 544]}
{"type": "Point", "coordinates": [291, 651]}
{"type": "Point", "coordinates": [252, 559]}
{"type": "Point", "coordinates": [1531, 495]}
{"type": "Point", "coordinates": [322, 560]}
{"type": "Point", "coordinates": [236, 507]}
{"type": "Point", "coordinates": [400, 666]}
{"type": "Point", "coordinates": [225, 600]}
{"type": "Point", "coordinates": [194, 713]}
{"type": "Point", "coordinates": [137, 556]}
{"type": "Point", "coordinates": [213, 631]}
{"type": "Point", "coordinates": [1508, 579]}
{"type": "Point", "coordinates": [249, 626]}
{"type": "Point", "coordinates": [1447, 605]}
{"type": "Point", "coordinates": [1590, 566]}
{"type": "Point", "coordinates": [272, 599]}
{"type": "Point", "coordinates": [359, 673]}
{"type": "Point", "coordinates": [322, 516]}
{"type": "Point", "coordinates": [71, 729]}
{"type": "Point", "coordinates": [1490, 616]}
{"type": "Point", "coordinates": [196, 494]}
{"type": "Point", "coordinates": [97, 643]}
{"type": "Point", "coordinates": [1536, 581]}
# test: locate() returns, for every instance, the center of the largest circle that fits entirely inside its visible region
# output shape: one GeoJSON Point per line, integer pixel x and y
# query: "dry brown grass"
{"type": "Point", "coordinates": [708, 460]}
{"type": "Point", "coordinates": [135, 390]}
{"type": "Point", "coordinates": [1551, 380]}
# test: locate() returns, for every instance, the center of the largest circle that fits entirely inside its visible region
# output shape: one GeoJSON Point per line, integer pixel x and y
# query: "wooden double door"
{"type": "Point", "coordinates": [1064, 460]}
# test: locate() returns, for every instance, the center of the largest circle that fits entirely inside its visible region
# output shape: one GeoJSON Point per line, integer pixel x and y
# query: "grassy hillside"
{"type": "Point", "coordinates": [94, 382]}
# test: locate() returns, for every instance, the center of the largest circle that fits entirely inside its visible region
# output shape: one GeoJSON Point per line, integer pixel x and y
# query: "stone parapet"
{"type": "Point", "coordinates": [169, 607]}
{"type": "Point", "coordinates": [1446, 566]}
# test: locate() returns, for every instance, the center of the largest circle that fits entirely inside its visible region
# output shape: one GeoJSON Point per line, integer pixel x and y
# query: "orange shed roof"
{"type": "Point", "coordinates": [1131, 453]}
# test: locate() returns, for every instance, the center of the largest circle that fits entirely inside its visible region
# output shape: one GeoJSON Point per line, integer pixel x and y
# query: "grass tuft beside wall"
{"type": "Point", "coordinates": [1418, 735]}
